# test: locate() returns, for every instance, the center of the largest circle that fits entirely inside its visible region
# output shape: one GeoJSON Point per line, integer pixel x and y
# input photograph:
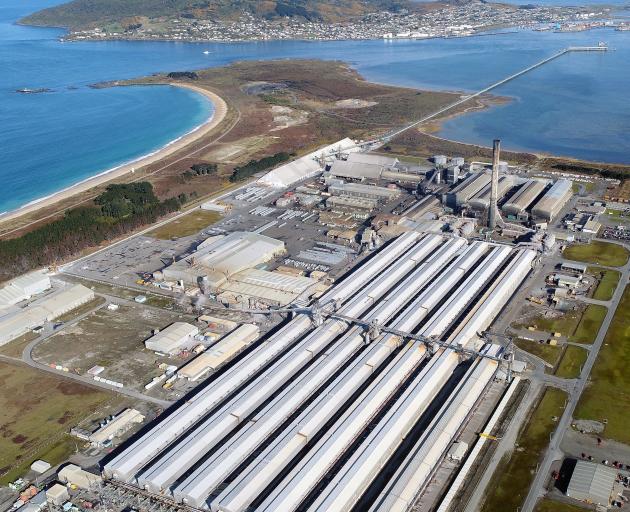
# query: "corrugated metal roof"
{"type": "Point", "coordinates": [305, 166]}
{"type": "Point", "coordinates": [66, 300]}
{"type": "Point", "coordinates": [172, 338]}
{"type": "Point", "coordinates": [592, 482]}
{"type": "Point", "coordinates": [366, 158]}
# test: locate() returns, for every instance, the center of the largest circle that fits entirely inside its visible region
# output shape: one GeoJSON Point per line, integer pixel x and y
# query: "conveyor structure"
{"type": "Point", "coordinates": [310, 417]}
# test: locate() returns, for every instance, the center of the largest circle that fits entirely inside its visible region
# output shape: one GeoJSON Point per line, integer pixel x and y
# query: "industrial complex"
{"type": "Point", "coordinates": [345, 337]}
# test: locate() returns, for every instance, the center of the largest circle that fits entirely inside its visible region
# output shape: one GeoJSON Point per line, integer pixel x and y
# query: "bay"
{"type": "Point", "coordinates": [575, 106]}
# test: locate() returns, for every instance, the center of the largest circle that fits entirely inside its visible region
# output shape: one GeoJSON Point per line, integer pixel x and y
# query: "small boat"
{"type": "Point", "coordinates": [206, 52]}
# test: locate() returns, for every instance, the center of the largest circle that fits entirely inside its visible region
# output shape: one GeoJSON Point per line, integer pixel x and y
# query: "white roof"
{"type": "Point", "coordinates": [592, 482]}
{"type": "Point", "coordinates": [371, 159]}
{"type": "Point", "coordinates": [22, 287]}
{"type": "Point", "coordinates": [235, 252]}
{"type": "Point", "coordinates": [306, 166]}
{"type": "Point", "coordinates": [172, 338]}
{"type": "Point", "coordinates": [117, 425]}
{"type": "Point", "coordinates": [66, 300]}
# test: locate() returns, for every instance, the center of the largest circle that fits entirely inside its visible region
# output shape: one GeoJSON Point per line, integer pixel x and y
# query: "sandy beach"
{"type": "Point", "coordinates": [220, 110]}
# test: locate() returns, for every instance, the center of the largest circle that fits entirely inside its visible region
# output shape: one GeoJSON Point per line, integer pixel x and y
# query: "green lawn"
{"type": "Point", "coordinates": [589, 325]}
{"type": "Point", "coordinates": [608, 280]}
{"type": "Point", "coordinates": [564, 324]}
{"type": "Point", "coordinates": [515, 474]}
{"type": "Point", "coordinates": [600, 253]}
{"type": "Point", "coordinates": [571, 363]}
{"type": "Point", "coordinates": [607, 395]}
{"type": "Point", "coordinates": [548, 353]}
{"type": "Point", "coordinates": [547, 505]}
{"type": "Point", "coordinates": [37, 412]}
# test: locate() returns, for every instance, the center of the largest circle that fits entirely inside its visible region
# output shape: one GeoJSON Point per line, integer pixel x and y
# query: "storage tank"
{"type": "Point", "coordinates": [439, 159]}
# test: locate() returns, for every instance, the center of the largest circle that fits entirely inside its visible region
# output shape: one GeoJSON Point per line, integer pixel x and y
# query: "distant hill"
{"type": "Point", "coordinates": [80, 14]}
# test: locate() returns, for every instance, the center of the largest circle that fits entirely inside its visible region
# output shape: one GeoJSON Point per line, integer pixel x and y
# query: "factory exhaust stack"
{"type": "Point", "coordinates": [494, 184]}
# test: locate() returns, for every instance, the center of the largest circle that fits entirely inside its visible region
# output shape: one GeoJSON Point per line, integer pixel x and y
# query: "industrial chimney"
{"type": "Point", "coordinates": [494, 184]}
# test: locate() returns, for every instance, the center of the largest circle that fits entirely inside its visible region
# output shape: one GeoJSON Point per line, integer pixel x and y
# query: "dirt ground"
{"type": "Point", "coordinates": [113, 339]}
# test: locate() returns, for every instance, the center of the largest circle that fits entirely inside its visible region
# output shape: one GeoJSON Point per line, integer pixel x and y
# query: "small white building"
{"type": "Point", "coordinates": [175, 337]}
{"type": "Point", "coordinates": [40, 466]}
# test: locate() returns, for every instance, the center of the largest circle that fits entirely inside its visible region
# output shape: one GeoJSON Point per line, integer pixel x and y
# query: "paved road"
{"type": "Point", "coordinates": [27, 359]}
{"type": "Point", "coordinates": [553, 452]}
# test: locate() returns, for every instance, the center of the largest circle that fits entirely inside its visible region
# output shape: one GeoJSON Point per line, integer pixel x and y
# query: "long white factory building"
{"type": "Point", "coordinates": [310, 417]}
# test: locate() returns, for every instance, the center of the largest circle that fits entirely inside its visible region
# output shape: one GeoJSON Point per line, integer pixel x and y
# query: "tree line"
{"type": "Point", "coordinates": [117, 211]}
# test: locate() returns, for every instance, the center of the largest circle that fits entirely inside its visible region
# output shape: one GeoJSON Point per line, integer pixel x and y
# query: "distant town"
{"type": "Point", "coordinates": [452, 21]}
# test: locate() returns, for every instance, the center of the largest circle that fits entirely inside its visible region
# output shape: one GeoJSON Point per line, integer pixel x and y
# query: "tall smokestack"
{"type": "Point", "coordinates": [494, 184]}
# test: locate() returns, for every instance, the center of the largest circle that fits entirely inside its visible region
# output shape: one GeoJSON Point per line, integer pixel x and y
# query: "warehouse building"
{"type": "Point", "coordinates": [592, 483]}
{"type": "Point", "coordinates": [225, 267]}
{"type": "Point", "coordinates": [574, 266]}
{"type": "Point", "coordinates": [173, 339]}
{"type": "Point", "coordinates": [566, 280]}
{"type": "Point", "coordinates": [218, 258]}
{"type": "Point", "coordinates": [17, 323]}
{"type": "Point", "coordinates": [553, 200]}
{"type": "Point", "coordinates": [350, 203]}
{"type": "Point", "coordinates": [72, 474]}
{"type": "Point", "coordinates": [481, 200]}
{"type": "Point", "coordinates": [466, 190]}
{"type": "Point", "coordinates": [340, 188]}
{"type": "Point", "coordinates": [306, 166]}
{"type": "Point", "coordinates": [362, 166]}
{"type": "Point", "coordinates": [23, 288]}
{"type": "Point", "coordinates": [116, 427]}
{"type": "Point", "coordinates": [220, 353]}
{"type": "Point", "coordinates": [517, 205]}
{"type": "Point", "coordinates": [325, 378]}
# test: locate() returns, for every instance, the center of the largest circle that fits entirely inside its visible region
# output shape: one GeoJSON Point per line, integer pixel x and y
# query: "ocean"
{"type": "Point", "coordinates": [575, 106]}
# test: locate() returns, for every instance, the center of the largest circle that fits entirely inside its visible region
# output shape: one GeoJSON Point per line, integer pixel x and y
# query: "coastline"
{"type": "Point", "coordinates": [219, 113]}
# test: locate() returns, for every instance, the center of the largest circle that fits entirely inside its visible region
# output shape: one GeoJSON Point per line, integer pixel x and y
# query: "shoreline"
{"type": "Point", "coordinates": [173, 146]}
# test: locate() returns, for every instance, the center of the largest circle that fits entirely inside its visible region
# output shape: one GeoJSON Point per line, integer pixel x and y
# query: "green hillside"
{"type": "Point", "coordinates": [79, 14]}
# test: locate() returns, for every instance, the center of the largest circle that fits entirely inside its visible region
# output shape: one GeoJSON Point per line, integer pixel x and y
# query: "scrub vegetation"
{"type": "Point", "coordinates": [600, 253]}
{"type": "Point", "coordinates": [515, 473]}
{"type": "Point", "coordinates": [607, 396]}
{"type": "Point", "coordinates": [37, 412]}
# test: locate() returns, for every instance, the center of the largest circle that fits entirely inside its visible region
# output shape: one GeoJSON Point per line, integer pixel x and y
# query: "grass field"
{"type": "Point", "coordinates": [515, 474]}
{"type": "Point", "coordinates": [600, 253]}
{"type": "Point", "coordinates": [548, 353]}
{"type": "Point", "coordinates": [607, 282]}
{"type": "Point", "coordinates": [186, 225]}
{"type": "Point", "coordinates": [571, 363]}
{"type": "Point", "coordinates": [37, 412]}
{"type": "Point", "coordinates": [589, 325]}
{"type": "Point", "coordinates": [607, 395]}
{"type": "Point", "coordinates": [546, 505]}
{"type": "Point", "coordinates": [565, 324]}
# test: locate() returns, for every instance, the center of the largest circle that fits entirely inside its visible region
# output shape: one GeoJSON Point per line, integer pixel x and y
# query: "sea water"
{"type": "Point", "coordinates": [574, 106]}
